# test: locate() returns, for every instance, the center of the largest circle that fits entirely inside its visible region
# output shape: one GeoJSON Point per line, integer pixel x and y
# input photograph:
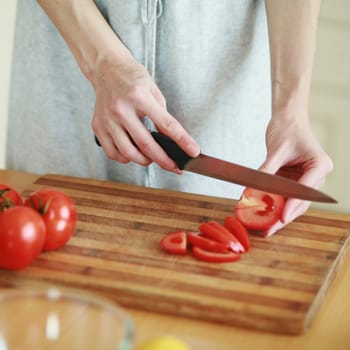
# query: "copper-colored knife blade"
{"type": "Point", "coordinates": [238, 174]}
{"type": "Point", "coordinates": [241, 175]}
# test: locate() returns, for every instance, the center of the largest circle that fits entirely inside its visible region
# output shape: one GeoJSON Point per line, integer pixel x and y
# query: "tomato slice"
{"type": "Point", "coordinates": [175, 242]}
{"type": "Point", "coordinates": [205, 243]}
{"type": "Point", "coordinates": [238, 230]}
{"type": "Point", "coordinates": [259, 210]}
{"type": "Point", "coordinates": [205, 255]}
{"type": "Point", "coordinates": [219, 233]}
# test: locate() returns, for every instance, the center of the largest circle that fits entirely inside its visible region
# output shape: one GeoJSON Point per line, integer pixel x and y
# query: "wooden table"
{"type": "Point", "coordinates": [330, 329]}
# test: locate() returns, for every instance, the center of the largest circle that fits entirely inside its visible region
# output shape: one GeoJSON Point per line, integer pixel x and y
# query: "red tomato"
{"type": "Point", "coordinates": [219, 233]}
{"type": "Point", "coordinates": [238, 230]}
{"type": "Point", "coordinates": [59, 214]}
{"type": "Point", "coordinates": [205, 255]}
{"type": "Point", "coordinates": [258, 210]}
{"type": "Point", "coordinates": [10, 194]}
{"type": "Point", "coordinates": [175, 242]}
{"type": "Point", "coordinates": [205, 243]}
{"type": "Point", "coordinates": [22, 236]}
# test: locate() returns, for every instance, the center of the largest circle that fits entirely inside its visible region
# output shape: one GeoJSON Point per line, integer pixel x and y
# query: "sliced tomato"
{"type": "Point", "coordinates": [219, 233]}
{"type": "Point", "coordinates": [205, 243]}
{"type": "Point", "coordinates": [238, 230]}
{"type": "Point", "coordinates": [175, 242]}
{"type": "Point", "coordinates": [205, 255]}
{"type": "Point", "coordinates": [259, 210]}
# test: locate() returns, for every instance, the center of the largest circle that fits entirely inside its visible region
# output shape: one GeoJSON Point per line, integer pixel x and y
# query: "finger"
{"type": "Point", "coordinates": [133, 139]}
{"type": "Point", "coordinates": [127, 147]}
{"type": "Point", "coordinates": [294, 208]}
{"type": "Point", "coordinates": [147, 105]}
{"type": "Point", "coordinates": [274, 228]}
{"type": "Point", "coordinates": [124, 118]}
{"type": "Point", "coordinates": [159, 96]}
{"type": "Point", "coordinates": [313, 178]}
{"type": "Point", "coordinates": [271, 165]}
{"type": "Point", "coordinates": [104, 137]}
{"type": "Point", "coordinates": [117, 145]}
{"type": "Point", "coordinates": [110, 148]}
{"type": "Point", "coordinates": [135, 142]}
{"type": "Point", "coordinates": [141, 136]}
{"type": "Point", "coordinates": [147, 145]}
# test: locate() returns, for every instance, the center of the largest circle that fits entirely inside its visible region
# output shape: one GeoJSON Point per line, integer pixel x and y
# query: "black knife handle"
{"type": "Point", "coordinates": [172, 149]}
{"type": "Point", "coordinates": [169, 146]}
{"type": "Point", "coordinates": [97, 142]}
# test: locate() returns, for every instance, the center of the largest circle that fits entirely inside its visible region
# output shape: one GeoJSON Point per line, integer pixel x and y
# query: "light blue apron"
{"type": "Point", "coordinates": [210, 59]}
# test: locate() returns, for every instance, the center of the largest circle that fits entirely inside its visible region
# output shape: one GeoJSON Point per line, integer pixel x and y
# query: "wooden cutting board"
{"type": "Point", "coordinates": [278, 286]}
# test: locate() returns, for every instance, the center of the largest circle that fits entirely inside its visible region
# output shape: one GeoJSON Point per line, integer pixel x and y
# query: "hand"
{"type": "Point", "coordinates": [126, 93]}
{"type": "Point", "coordinates": [293, 152]}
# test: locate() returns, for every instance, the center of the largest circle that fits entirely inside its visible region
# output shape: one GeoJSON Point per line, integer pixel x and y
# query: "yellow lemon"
{"type": "Point", "coordinates": [163, 343]}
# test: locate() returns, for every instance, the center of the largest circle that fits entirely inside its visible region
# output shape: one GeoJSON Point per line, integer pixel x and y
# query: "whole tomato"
{"type": "Point", "coordinates": [9, 196]}
{"type": "Point", "coordinates": [22, 236]}
{"type": "Point", "coordinates": [59, 214]}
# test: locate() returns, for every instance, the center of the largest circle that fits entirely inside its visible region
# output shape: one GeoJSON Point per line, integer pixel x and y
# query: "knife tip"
{"type": "Point", "coordinates": [328, 199]}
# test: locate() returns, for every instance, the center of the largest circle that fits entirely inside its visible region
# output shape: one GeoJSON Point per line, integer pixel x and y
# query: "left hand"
{"type": "Point", "coordinates": [294, 152]}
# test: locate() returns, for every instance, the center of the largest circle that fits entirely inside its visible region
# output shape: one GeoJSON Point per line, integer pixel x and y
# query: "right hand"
{"type": "Point", "coordinates": [126, 93]}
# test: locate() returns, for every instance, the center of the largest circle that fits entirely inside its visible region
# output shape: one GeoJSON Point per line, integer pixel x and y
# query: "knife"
{"type": "Point", "coordinates": [237, 174]}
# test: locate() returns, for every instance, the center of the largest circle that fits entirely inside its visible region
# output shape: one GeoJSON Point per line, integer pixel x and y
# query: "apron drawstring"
{"type": "Point", "coordinates": [151, 10]}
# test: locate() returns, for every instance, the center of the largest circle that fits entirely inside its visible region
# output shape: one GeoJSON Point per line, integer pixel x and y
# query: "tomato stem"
{"type": "Point", "coordinates": [5, 202]}
{"type": "Point", "coordinates": [41, 208]}
{"type": "Point", "coordinates": [3, 191]}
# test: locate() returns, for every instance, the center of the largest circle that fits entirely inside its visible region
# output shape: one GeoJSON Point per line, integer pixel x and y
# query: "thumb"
{"type": "Point", "coordinates": [271, 165]}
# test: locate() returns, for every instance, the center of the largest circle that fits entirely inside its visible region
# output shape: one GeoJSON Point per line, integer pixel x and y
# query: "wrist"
{"type": "Point", "coordinates": [290, 98]}
{"type": "Point", "coordinates": [100, 61]}
{"type": "Point", "coordinates": [98, 49]}
{"type": "Point", "coordinates": [86, 32]}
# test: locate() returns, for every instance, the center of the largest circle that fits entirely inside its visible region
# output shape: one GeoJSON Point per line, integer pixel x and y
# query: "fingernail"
{"type": "Point", "coordinates": [178, 171]}
{"type": "Point", "coordinates": [268, 233]}
{"type": "Point", "coordinates": [287, 218]}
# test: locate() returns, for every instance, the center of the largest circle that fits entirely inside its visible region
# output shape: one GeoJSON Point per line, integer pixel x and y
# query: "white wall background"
{"type": "Point", "coordinates": [330, 101]}
{"type": "Point", "coordinates": [7, 21]}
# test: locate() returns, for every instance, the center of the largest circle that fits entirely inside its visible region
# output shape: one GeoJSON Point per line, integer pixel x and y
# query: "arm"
{"type": "Point", "coordinates": [292, 27]}
{"type": "Point", "coordinates": [291, 146]}
{"type": "Point", "coordinates": [125, 92]}
{"type": "Point", "coordinates": [86, 33]}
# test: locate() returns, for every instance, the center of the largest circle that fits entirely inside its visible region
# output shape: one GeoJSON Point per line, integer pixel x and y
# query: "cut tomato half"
{"type": "Point", "coordinates": [205, 243]}
{"type": "Point", "coordinates": [259, 210]}
{"type": "Point", "coordinates": [205, 255]}
{"type": "Point", "coordinates": [238, 230]}
{"type": "Point", "coordinates": [175, 242]}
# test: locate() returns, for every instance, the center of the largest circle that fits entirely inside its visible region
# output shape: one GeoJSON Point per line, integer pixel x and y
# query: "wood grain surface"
{"type": "Point", "coordinates": [278, 286]}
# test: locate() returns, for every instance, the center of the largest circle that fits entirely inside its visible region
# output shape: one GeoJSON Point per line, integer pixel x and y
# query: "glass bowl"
{"type": "Point", "coordinates": [59, 318]}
